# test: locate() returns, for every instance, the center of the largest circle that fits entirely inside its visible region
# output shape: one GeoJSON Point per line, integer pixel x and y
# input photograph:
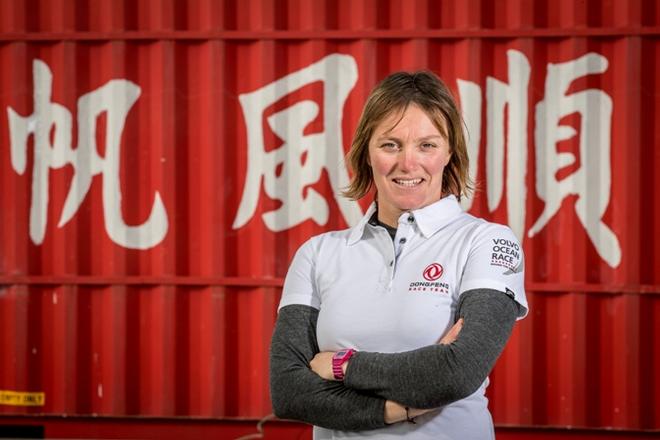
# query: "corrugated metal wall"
{"type": "Point", "coordinates": [161, 161]}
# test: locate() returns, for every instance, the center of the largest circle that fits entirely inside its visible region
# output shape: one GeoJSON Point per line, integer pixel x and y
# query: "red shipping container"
{"type": "Point", "coordinates": [161, 161]}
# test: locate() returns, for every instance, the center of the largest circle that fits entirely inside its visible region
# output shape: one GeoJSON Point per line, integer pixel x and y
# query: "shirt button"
{"type": "Point", "coordinates": [411, 219]}
{"type": "Point", "coordinates": [403, 240]}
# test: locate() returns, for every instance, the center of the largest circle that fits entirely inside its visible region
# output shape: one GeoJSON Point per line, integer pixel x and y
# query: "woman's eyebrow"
{"type": "Point", "coordinates": [385, 137]}
{"type": "Point", "coordinates": [431, 136]}
{"type": "Point", "coordinates": [423, 138]}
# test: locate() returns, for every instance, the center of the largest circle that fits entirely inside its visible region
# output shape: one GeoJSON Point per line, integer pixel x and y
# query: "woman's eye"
{"type": "Point", "coordinates": [389, 146]}
{"type": "Point", "coordinates": [428, 145]}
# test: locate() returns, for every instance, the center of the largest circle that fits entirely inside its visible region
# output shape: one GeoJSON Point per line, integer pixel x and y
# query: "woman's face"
{"type": "Point", "coordinates": [407, 157]}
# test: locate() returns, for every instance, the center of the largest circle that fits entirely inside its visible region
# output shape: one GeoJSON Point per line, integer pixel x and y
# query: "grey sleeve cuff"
{"type": "Point", "coordinates": [437, 375]}
{"type": "Point", "coordinates": [300, 394]}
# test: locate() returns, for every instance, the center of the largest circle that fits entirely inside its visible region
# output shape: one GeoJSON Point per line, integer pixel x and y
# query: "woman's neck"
{"type": "Point", "coordinates": [389, 217]}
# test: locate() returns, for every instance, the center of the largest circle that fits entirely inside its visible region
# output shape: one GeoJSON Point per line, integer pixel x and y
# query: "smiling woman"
{"type": "Point", "coordinates": [388, 105]}
{"type": "Point", "coordinates": [402, 317]}
{"type": "Point", "coordinates": [407, 155]}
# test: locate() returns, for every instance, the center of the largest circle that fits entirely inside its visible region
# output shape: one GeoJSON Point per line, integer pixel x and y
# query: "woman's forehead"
{"type": "Point", "coordinates": [390, 120]}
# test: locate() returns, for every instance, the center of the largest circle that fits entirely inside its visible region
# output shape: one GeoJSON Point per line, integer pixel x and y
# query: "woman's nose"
{"type": "Point", "coordinates": [407, 159]}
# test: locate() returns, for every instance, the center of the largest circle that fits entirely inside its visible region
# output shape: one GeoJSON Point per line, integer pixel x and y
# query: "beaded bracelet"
{"type": "Point", "coordinates": [408, 418]}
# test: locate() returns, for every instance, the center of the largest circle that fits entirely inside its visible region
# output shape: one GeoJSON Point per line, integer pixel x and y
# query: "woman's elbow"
{"type": "Point", "coordinates": [281, 399]}
{"type": "Point", "coordinates": [466, 388]}
{"type": "Point", "coordinates": [449, 391]}
{"type": "Point", "coordinates": [281, 409]}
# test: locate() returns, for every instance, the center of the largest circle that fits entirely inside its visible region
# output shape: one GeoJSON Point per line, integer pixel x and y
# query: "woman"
{"type": "Point", "coordinates": [354, 350]}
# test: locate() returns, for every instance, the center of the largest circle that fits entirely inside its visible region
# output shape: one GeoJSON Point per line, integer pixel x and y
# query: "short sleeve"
{"type": "Point", "coordinates": [496, 261]}
{"type": "Point", "coordinates": [299, 284]}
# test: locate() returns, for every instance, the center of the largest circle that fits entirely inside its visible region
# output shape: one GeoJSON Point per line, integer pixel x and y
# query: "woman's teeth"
{"type": "Point", "coordinates": [408, 182]}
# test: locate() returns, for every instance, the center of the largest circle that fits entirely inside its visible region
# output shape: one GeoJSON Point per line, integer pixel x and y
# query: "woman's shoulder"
{"type": "Point", "coordinates": [481, 229]}
{"type": "Point", "coordinates": [328, 238]}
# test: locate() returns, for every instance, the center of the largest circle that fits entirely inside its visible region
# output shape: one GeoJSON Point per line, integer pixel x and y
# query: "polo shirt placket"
{"type": "Point", "coordinates": [405, 232]}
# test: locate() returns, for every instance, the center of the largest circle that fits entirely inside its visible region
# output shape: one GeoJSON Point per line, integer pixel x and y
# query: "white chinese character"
{"type": "Point", "coordinates": [470, 98]}
{"type": "Point", "coordinates": [514, 97]}
{"type": "Point", "coordinates": [285, 177]}
{"type": "Point", "coordinates": [115, 98]}
{"type": "Point", "coordinates": [499, 95]}
{"type": "Point", "coordinates": [592, 181]}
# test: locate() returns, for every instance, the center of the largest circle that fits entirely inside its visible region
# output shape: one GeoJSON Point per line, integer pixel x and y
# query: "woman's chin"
{"type": "Point", "coordinates": [411, 205]}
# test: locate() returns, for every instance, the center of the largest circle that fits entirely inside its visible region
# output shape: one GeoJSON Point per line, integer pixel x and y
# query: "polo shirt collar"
{"type": "Point", "coordinates": [358, 230]}
{"type": "Point", "coordinates": [429, 219]}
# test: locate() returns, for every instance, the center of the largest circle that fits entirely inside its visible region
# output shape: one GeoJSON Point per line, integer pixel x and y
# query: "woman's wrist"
{"type": "Point", "coordinates": [410, 417]}
{"type": "Point", "coordinates": [394, 412]}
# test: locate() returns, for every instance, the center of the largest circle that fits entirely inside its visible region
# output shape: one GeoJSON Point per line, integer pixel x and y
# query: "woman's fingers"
{"type": "Point", "coordinates": [452, 334]}
{"type": "Point", "coordinates": [321, 364]}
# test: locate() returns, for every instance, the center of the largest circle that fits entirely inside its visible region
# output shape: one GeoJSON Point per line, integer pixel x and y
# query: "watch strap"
{"type": "Point", "coordinates": [338, 361]}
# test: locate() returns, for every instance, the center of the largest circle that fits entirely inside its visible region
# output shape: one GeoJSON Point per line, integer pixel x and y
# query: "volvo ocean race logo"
{"type": "Point", "coordinates": [506, 253]}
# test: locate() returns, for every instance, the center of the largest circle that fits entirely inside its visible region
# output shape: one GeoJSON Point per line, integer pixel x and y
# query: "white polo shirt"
{"type": "Point", "coordinates": [377, 295]}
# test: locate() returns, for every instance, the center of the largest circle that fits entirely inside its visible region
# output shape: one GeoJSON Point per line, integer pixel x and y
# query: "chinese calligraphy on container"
{"type": "Point", "coordinates": [115, 98]}
{"type": "Point", "coordinates": [338, 73]}
{"type": "Point", "coordinates": [591, 182]}
{"type": "Point", "coordinates": [505, 138]}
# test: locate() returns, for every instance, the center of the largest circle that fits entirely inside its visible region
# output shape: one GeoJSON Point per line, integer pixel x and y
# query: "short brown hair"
{"type": "Point", "coordinates": [395, 93]}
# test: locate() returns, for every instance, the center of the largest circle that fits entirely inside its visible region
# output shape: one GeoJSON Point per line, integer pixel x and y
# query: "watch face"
{"type": "Point", "coordinates": [341, 353]}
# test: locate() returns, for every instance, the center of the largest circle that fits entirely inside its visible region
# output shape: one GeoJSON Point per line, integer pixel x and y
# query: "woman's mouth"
{"type": "Point", "coordinates": [408, 183]}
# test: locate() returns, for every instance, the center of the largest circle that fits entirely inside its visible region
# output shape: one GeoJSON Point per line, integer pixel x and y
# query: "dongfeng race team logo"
{"type": "Point", "coordinates": [433, 272]}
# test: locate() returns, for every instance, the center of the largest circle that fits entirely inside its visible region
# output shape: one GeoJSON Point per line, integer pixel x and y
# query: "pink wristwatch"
{"type": "Point", "coordinates": [338, 360]}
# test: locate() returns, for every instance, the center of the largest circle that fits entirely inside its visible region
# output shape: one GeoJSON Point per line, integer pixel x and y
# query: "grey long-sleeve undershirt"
{"type": "Point", "coordinates": [423, 378]}
{"type": "Point", "coordinates": [439, 374]}
{"type": "Point", "coordinates": [299, 393]}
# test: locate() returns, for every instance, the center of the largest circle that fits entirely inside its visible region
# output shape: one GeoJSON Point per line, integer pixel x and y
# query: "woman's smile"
{"type": "Point", "coordinates": [407, 154]}
{"type": "Point", "coordinates": [407, 183]}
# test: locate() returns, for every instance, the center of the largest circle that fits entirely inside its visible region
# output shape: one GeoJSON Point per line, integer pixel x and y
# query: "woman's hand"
{"type": "Point", "coordinates": [321, 364]}
{"type": "Point", "coordinates": [452, 334]}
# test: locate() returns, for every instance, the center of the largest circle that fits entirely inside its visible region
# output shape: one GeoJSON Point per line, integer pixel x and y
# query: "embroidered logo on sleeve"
{"type": "Point", "coordinates": [506, 253]}
{"type": "Point", "coordinates": [516, 269]}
